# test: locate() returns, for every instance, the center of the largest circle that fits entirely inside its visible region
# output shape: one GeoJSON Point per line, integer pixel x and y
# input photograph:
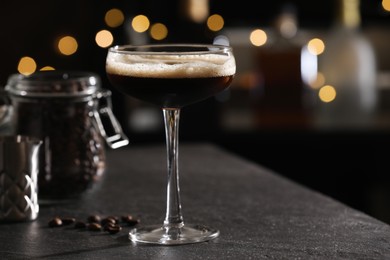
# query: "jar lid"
{"type": "Point", "coordinates": [54, 84]}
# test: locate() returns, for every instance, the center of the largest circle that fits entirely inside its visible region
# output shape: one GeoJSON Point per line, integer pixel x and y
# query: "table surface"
{"type": "Point", "coordinates": [260, 214]}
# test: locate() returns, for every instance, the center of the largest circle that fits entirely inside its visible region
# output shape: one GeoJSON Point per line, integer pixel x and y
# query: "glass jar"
{"type": "Point", "coordinates": [65, 110]}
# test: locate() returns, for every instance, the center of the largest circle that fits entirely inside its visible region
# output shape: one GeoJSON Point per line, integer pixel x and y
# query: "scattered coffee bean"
{"type": "Point", "coordinates": [94, 227]}
{"type": "Point", "coordinates": [68, 221]}
{"type": "Point", "coordinates": [130, 221]}
{"type": "Point", "coordinates": [107, 226]}
{"type": "Point", "coordinates": [80, 224]}
{"type": "Point", "coordinates": [114, 229]}
{"type": "Point", "coordinates": [115, 218]}
{"type": "Point", "coordinates": [110, 224]}
{"type": "Point", "coordinates": [108, 220]}
{"type": "Point", "coordinates": [126, 218]}
{"type": "Point", "coordinates": [55, 222]}
{"type": "Point", "coordinates": [94, 219]}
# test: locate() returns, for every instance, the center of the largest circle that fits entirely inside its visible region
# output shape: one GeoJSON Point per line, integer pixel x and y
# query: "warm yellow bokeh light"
{"type": "Point", "coordinates": [114, 18]}
{"type": "Point", "coordinates": [158, 31]}
{"type": "Point", "coordinates": [318, 81]}
{"type": "Point", "coordinates": [140, 23]}
{"type": "Point", "coordinates": [104, 38]}
{"type": "Point", "coordinates": [27, 65]}
{"type": "Point", "coordinates": [327, 93]}
{"type": "Point", "coordinates": [316, 46]}
{"type": "Point", "coordinates": [215, 22]}
{"type": "Point", "coordinates": [195, 10]}
{"type": "Point", "coordinates": [46, 68]}
{"type": "Point", "coordinates": [386, 5]}
{"type": "Point", "coordinates": [67, 45]}
{"type": "Point", "coordinates": [258, 37]}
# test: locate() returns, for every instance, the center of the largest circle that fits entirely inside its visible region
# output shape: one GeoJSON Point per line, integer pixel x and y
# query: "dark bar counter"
{"type": "Point", "coordinates": [260, 214]}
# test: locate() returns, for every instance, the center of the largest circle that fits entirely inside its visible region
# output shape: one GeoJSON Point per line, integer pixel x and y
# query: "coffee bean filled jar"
{"type": "Point", "coordinates": [66, 110]}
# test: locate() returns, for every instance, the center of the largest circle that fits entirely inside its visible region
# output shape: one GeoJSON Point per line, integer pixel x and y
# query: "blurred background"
{"type": "Point", "coordinates": [310, 99]}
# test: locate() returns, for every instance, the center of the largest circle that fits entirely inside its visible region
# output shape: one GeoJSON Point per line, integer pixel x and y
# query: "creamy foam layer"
{"type": "Point", "coordinates": [169, 66]}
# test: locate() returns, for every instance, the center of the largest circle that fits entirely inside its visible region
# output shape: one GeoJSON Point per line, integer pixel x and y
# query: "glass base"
{"type": "Point", "coordinates": [186, 234]}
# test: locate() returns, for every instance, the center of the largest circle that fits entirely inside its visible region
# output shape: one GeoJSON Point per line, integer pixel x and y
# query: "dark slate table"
{"type": "Point", "coordinates": [260, 214]}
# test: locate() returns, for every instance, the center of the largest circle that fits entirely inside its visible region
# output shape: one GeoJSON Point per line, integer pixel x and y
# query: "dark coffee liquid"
{"type": "Point", "coordinates": [170, 92]}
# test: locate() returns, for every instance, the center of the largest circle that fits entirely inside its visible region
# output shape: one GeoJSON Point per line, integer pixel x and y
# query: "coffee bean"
{"type": "Point", "coordinates": [114, 229]}
{"type": "Point", "coordinates": [132, 222]}
{"type": "Point", "coordinates": [68, 220]}
{"type": "Point", "coordinates": [71, 140]}
{"type": "Point", "coordinates": [94, 227]}
{"type": "Point", "coordinates": [126, 218]}
{"type": "Point", "coordinates": [80, 224]}
{"type": "Point", "coordinates": [107, 226]}
{"type": "Point", "coordinates": [55, 222]}
{"type": "Point", "coordinates": [116, 219]}
{"type": "Point", "coordinates": [109, 220]}
{"type": "Point", "coordinates": [94, 219]}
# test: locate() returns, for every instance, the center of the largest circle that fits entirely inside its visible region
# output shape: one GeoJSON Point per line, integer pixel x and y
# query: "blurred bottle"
{"type": "Point", "coordinates": [348, 64]}
{"type": "Point", "coordinates": [279, 98]}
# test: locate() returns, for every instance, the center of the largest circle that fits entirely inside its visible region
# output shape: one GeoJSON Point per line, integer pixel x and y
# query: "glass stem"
{"type": "Point", "coordinates": [173, 218]}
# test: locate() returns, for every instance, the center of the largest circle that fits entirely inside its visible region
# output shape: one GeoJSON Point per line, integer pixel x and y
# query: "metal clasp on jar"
{"type": "Point", "coordinates": [106, 122]}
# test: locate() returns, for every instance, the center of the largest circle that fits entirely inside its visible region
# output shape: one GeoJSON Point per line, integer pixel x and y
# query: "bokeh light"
{"type": "Point", "coordinates": [386, 5]}
{"type": "Point", "coordinates": [158, 31]}
{"type": "Point", "coordinates": [196, 10]}
{"type": "Point", "coordinates": [114, 18]}
{"type": "Point", "coordinates": [327, 93]}
{"type": "Point", "coordinates": [318, 81]}
{"type": "Point", "coordinates": [258, 37]}
{"type": "Point", "coordinates": [27, 65]}
{"type": "Point", "coordinates": [67, 45]}
{"type": "Point", "coordinates": [316, 46]}
{"type": "Point", "coordinates": [140, 23]}
{"type": "Point", "coordinates": [215, 22]}
{"type": "Point", "coordinates": [288, 26]}
{"type": "Point", "coordinates": [104, 38]}
{"type": "Point", "coordinates": [46, 68]}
